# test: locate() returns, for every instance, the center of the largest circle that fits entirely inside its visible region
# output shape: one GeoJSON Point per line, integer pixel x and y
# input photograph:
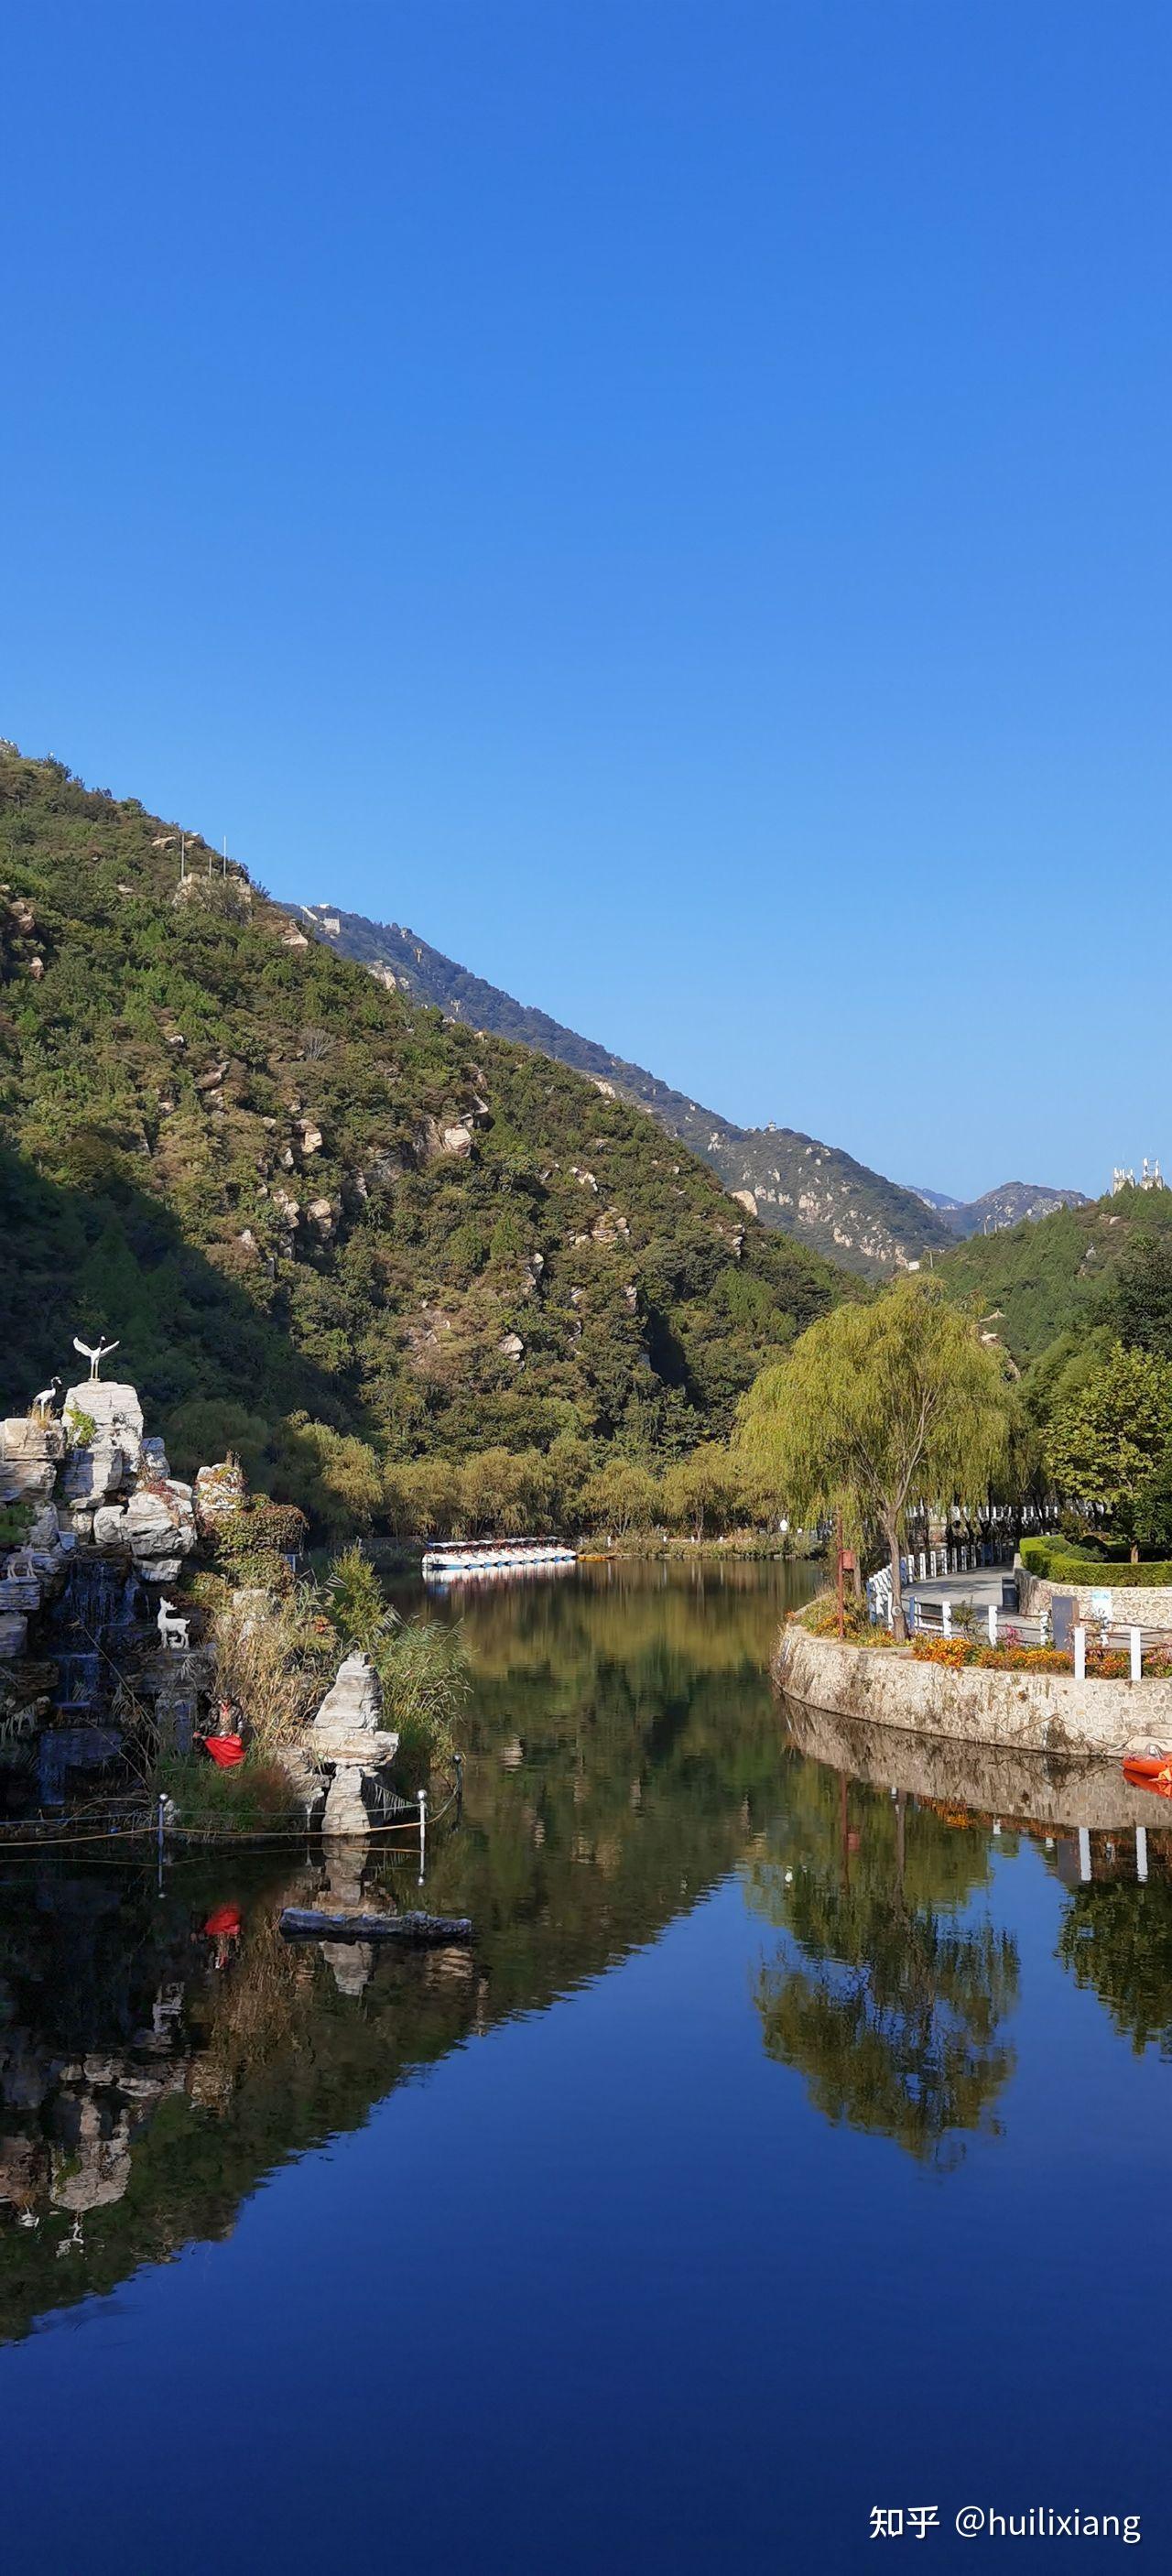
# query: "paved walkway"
{"type": "Point", "coordinates": [982, 1584]}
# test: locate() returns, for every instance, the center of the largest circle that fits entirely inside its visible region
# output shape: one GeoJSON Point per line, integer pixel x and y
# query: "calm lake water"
{"type": "Point", "coordinates": [783, 2148]}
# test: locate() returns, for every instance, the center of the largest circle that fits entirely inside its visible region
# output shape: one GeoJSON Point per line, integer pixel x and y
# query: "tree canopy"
{"type": "Point", "coordinates": [876, 1406]}
{"type": "Point", "coordinates": [1108, 1435]}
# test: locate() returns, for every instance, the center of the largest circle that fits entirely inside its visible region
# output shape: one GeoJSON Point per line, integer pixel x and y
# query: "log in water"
{"type": "Point", "coordinates": [302, 1923]}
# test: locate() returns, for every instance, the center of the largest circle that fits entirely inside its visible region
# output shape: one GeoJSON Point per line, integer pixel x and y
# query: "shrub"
{"type": "Point", "coordinates": [426, 1677]}
{"type": "Point", "coordinates": [820, 1616]}
{"type": "Point", "coordinates": [274, 1663]}
{"type": "Point", "coordinates": [258, 1797]}
{"type": "Point", "coordinates": [1060, 1562]}
{"type": "Point", "coordinates": [953, 1654]}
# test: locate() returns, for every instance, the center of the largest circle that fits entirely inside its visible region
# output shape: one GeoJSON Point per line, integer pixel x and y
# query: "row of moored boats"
{"type": "Point", "coordinates": [459, 1559]}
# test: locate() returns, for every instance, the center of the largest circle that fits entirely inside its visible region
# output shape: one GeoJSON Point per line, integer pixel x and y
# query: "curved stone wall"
{"type": "Point", "coordinates": [1038, 1712]}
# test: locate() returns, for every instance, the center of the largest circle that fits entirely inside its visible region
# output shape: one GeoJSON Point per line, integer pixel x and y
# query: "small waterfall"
{"type": "Point", "coordinates": [89, 1632]}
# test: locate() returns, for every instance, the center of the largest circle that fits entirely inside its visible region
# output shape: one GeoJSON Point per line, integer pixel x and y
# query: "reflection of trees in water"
{"type": "Point", "coordinates": [1117, 1941]}
{"type": "Point", "coordinates": [887, 2001]}
{"type": "Point", "coordinates": [169, 2070]}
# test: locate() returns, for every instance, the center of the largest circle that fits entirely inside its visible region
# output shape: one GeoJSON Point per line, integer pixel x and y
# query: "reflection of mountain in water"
{"type": "Point", "coordinates": [152, 2070]}
{"type": "Point", "coordinates": [890, 1993]}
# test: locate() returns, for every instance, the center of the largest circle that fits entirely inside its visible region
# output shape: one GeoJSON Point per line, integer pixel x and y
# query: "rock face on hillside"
{"type": "Point", "coordinates": [329, 1208]}
{"type": "Point", "coordinates": [813, 1191]}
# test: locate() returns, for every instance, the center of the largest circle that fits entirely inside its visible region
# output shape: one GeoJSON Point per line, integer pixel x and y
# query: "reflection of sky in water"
{"type": "Point", "coordinates": [548, 2257]}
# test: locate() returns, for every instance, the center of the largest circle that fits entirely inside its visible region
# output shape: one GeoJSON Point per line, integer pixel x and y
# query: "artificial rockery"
{"type": "Point", "coordinates": [109, 1688]}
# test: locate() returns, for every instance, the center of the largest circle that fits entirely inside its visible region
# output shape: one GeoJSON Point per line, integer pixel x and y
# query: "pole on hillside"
{"type": "Point", "coordinates": [841, 1603]}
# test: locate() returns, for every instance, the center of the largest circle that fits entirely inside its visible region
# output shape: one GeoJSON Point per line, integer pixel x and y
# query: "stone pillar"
{"type": "Point", "coordinates": [344, 1810]}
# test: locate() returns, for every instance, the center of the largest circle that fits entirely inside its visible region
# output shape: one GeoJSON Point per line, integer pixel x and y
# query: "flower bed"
{"type": "Point", "coordinates": [956, 1654]}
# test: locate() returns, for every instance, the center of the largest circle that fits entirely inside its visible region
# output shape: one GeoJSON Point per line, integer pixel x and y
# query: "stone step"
{"type": "Point", "coordinates": [19, 1592]}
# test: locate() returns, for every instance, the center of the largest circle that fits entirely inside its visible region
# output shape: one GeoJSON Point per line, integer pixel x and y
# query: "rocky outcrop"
{"type": "Point", "coordinates": [351, 1708]}
{"type": "Point", "coordinates": [30, 1450]}
{"type": "Point", "coordinates": [219, 1491]}
{"type": "Point", "coordinates": [115, 1412]}
{"type": "Point", "coordinates": [115, 1488]}
{"type": "Point", "coordinates": [346, 1741]}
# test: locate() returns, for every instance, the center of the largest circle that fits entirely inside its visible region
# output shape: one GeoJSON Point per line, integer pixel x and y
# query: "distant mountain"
{"type": "Point", "coordinates": [809, 1190]}
{"type": "Point", "coordinates": [1009, 1205]}
{"type": "Point", "coordinates": [936, 1199]}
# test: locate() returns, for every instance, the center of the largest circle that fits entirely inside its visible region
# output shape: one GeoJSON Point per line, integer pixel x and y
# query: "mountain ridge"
{"type": "Point", "coordinates": [325, 1223]}
{"type": "Point", "coordinates": [796, 1185]}
{"type": "Point", "coordinates": [1011, 1203]}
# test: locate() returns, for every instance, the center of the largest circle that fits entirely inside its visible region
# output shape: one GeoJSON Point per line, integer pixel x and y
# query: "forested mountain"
{"type": "Point", "coordinates": [306, 1204]}
{"type": "Point", "coordinates": [812, 1191]}
{"type": "Point", "coordinates": [1037, 1281]}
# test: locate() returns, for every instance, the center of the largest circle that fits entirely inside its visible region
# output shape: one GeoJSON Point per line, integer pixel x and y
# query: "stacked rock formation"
{"type": "Point", "coordinates": [347, 1741]}
{"type": "Point", "coordinates": [118, 1489]}
{"type": "Point", "coordinates": [31, 1450]}
{"type": "Point", "coordinates": [110, 1493]}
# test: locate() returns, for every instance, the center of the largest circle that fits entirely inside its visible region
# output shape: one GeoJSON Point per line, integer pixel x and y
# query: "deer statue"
{"type": "Point", "coordinates": [94, 1356]}
{"type": "Point", "coordinates": [173, 1631]}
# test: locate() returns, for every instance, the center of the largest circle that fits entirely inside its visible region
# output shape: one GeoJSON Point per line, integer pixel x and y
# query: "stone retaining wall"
{"type": "Point", "coordinates": [1133, 1605]}
{"type": "Point", "coordinates": [1039, 1712]}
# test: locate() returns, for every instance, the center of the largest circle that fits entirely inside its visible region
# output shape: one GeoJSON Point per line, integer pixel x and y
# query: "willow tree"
{"type": "Point", "coordinates": [875, 1406]}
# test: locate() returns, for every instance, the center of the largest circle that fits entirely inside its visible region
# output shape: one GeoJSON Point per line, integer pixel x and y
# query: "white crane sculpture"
{"type": "Point", "coordinates": [95, 1357]}
{"type": "Point", "coordinates": [45, 1401]}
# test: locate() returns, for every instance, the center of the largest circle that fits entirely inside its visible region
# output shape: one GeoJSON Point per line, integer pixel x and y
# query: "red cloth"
{"type": "Point", "coordinates": [226, 1750]}
{"type": "Point", "coordinates": [226, 1918]}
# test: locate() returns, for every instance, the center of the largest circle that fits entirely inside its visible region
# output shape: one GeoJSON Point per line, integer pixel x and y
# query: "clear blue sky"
{"type": "Point", "coordinates": [670, 500]}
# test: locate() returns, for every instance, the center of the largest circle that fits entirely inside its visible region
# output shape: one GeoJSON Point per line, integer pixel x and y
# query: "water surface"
{"type": "Point", "coordinates": [792, 2141]}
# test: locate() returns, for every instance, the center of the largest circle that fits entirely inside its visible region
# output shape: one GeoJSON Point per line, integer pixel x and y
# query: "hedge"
{"type": "Point", "coordinates": [1059, 1562]}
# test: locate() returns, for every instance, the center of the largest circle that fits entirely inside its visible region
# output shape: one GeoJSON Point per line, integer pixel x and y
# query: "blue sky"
{"type": "Point", "coordinates": [669, 500]}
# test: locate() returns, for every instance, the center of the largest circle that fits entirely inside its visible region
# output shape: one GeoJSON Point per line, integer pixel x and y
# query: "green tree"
{"type": "Point", "coordinates": [1106, 1435]}
{"type": "Point", "coordinates": [1138, 1304]}
{"type": "Point", "coordinates": [1153, 1508]}
{"type": "Point", "coordinates": [622, 1496]}
{"type": "Point", "coordinates": [701, 1491]}
{"type": "Point", "coordinates": [876, 1405]}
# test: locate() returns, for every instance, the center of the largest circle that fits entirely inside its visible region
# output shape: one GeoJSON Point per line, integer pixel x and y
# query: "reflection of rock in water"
{"type": "Point", "coordinates": [87, 2114]}
{"type": "Point", "coordinates": [340, 1891]}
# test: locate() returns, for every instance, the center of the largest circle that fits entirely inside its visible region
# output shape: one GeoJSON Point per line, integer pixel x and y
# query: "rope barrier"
{"type": "Point", "coordinates": [210, 1836]}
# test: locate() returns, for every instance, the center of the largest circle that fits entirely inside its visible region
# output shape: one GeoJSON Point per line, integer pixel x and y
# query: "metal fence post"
{"type": "Point", "coordinates": [1080, 1654]}
{"type": "Point", "coordinates": [1136, 1653]}
{"type": "Point", "coordinates": [992, 1623]}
